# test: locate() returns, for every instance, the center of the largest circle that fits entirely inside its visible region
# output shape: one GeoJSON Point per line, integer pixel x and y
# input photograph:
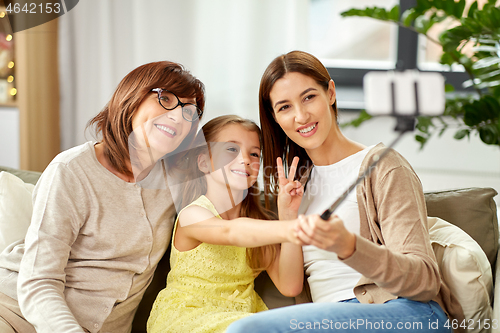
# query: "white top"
{"type": "Point", "coordinates": [329, 279]}
{"type": "Point", "coordinates": [92, 246]}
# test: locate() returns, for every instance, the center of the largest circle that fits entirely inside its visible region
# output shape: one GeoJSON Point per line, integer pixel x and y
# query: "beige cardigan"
{"type": "Point", "coordinates": [91, 249]}
{"type": "Point", "coordinates": [394, 253]}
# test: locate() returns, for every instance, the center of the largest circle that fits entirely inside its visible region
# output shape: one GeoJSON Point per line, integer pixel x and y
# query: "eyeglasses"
{"type": "Point", "coordinates": [169, 101]}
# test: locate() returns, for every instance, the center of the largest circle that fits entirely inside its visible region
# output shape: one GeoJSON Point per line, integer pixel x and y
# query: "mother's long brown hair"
{"type": "Point", "coordinates": [274, 140]}
{"type": "Point", "coordinates": [260, 258]}
{"type": "Point", "coordinates": [114, 122]}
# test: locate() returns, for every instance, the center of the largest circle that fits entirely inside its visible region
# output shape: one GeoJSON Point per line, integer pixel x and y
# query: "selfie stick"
{"type": "Point", "coordinates": [404, 124]}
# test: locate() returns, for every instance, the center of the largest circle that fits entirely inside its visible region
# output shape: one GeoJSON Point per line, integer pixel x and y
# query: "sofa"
{"type": "Point", "coordinates": [464, 233]}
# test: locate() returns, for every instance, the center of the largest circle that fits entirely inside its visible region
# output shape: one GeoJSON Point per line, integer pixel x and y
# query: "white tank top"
{"type": "Point", "coordinates": [331, 280]}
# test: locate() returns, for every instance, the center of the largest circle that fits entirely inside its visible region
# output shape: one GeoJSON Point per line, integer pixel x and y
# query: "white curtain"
{"type": "Point", "coordinates": [225, 43]}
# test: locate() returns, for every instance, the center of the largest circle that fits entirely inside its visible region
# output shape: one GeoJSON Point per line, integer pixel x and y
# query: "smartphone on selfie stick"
{"type": "Point", "coordinates": [407, 95]}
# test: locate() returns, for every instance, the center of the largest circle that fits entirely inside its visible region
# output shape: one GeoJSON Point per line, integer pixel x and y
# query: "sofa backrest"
{"type": "Point", "coordinates": [27, 176]}
{"type": "Point", "coordinates": [472, 209]}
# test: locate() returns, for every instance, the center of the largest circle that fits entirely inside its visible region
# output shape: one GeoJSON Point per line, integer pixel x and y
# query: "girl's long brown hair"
{"type": "Point", "coordinates": [274, 140]}
{"type": "Point", "coordinates": [260, 258]}
{"type": "Point", "coordinates": [114, 122]}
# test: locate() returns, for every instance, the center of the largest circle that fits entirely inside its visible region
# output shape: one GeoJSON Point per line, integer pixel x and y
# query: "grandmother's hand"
{"type": "Point", "coordinates": [329, 235]}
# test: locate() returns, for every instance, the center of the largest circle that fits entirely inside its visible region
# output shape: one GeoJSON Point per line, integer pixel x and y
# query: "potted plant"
{"type": "Point", "coordinates": [477, 112]}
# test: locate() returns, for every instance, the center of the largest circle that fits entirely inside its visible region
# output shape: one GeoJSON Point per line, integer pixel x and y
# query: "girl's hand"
{"type": "Point", "coordinates": [290, 191]}
{"type": "Point", "coordinates": [329, 235]}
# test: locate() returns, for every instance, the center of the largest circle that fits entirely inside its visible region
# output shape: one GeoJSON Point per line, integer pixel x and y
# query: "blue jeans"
{"type": "Point", "coordinates": [348, 316]}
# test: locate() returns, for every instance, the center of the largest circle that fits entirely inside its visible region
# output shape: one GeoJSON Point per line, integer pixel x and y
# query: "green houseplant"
{"type": "Point", "coordinates": [477, 112]}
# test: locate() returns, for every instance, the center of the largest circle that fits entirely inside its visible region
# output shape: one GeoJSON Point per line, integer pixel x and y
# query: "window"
{"type": "Point", "coordinates": [343, 42]}
{"type": "Point", "coordinates": [350, 47]}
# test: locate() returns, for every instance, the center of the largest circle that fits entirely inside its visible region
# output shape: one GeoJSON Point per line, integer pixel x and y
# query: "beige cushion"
{"type": "Point", "coordinates": [471, 209]}
{"type": "Point", "coordinates": [464, 268]}
{"type": "Point", "coordinates": [15, 208]}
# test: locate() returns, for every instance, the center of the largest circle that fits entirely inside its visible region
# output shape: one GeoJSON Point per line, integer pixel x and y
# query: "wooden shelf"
{"type": "Point", "coordinates": [9, 104]}
{"type": "Point", "coordinates": [37, 82]}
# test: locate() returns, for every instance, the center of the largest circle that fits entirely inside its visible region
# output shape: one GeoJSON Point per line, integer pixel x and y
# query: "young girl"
{"type": "Point", "coordinates": [217, 250]}
{"type": "Point", "coordinates": [372, 263]}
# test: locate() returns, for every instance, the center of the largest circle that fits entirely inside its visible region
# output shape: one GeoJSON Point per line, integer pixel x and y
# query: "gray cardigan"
{"type": "Point", "coordinates": [91, 249]}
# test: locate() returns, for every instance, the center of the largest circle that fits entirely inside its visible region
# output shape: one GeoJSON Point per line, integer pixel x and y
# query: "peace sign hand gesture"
{"type": "Point", "coordinates": [290, 191]}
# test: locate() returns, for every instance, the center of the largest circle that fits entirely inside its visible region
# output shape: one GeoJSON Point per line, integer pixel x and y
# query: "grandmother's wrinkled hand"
{"type": "Point", "coordinates": [329, 235]}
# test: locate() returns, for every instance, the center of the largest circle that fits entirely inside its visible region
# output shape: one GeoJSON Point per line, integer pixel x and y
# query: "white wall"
{"type": "Point", "coordinates": [9, 137]}
{"type": "Point", "coordinates": [227, 44]}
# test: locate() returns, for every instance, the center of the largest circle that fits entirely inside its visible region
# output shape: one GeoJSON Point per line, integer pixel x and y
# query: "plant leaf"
{"type": "Point", "coordinates": [394, 13]}
{"type": "Point", "coordinates": [452, 38]}
{"type": "Point", "coordinates": [374, 12]}
{"type": "Point", "coordinates": [449, 7]}
{"type": "Point", "coordinates": [472, 25]}
{"type": "Point", "coordinates": [422, 24]}
{"type": "Point", "coordinates": [488, 84]}
{"type": "Point", "coordinates": [493, 107]}
{"type": "Point", "coordinates": [472, 115]}
{"type": "Point", "coordinates": [495, 16]}
{"type": "Point", "coordinates": [449, 87]}
{"type": "Point", "coordinates": [459, 8]}
{"type": "Point", "coordinates": [423, 124]}
{"type": "Point", "coordinates": [489, 75]}
{"type": "Point", "coordinates": [422, 140]}
{"type": "Point", "coordinates": [488, 134]}
{"type": "Point", "coordinates": [489, 16]}
{"type": "Point", "coordinates": [495, 91]}
{"type": "Point", "coordinates": [486, 62]}
{"type": "Point", "coordinates": [363, 116]}
{"type": "Point", "coordinates": [472, 9]}
{"type": "Point", "coordinates": [460, 134]}
{"type": "Point", "coordinates": [485, 48]}
{"type": "Point", "coordinates": [423, 5]}
{"type": "Point", "coordinates": [409, 16]}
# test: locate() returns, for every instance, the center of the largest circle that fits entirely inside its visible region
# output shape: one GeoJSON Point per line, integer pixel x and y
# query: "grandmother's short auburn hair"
{"type": "Point", "coordinates": [114, 122]}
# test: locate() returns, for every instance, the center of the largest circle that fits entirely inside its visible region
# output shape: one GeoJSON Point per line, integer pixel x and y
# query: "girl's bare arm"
{"type": "Point", "coordinates": [198, 225]}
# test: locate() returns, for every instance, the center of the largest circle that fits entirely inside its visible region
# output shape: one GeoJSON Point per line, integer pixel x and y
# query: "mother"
{"type": "Point", "coordinates": [102, 218]}
{"type": "Point", "coordinates": [371, 264]}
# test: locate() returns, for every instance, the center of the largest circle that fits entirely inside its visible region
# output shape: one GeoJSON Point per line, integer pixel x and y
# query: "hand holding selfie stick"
{"type": "Point", "coordinates": [397, 88]}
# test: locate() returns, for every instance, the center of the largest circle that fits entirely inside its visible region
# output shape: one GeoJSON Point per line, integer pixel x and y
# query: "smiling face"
{"type": "Point", "coordinates": [237, 151]}
{"type": "Point", "coordinates": [161, 130]}
{"type": "Point", "coordinates": [303, 109]}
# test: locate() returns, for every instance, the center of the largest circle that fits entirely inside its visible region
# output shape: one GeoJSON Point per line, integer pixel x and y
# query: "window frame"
{"type": "Point", "coordinates": [407, 52]}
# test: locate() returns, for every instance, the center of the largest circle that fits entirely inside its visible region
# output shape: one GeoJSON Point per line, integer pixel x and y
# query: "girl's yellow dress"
{"type": "Point", "coordinates": [208, 288]}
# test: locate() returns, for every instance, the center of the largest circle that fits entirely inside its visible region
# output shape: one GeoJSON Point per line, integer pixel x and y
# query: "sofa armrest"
{"type": "Point", "coordinates": [496, 294]}
{"type": "Point", "coordinates": [496, 302]}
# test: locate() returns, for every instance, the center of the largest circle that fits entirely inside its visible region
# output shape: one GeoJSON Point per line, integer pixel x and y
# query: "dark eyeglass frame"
{"type": "Point", "coordinates": [199, 112]}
